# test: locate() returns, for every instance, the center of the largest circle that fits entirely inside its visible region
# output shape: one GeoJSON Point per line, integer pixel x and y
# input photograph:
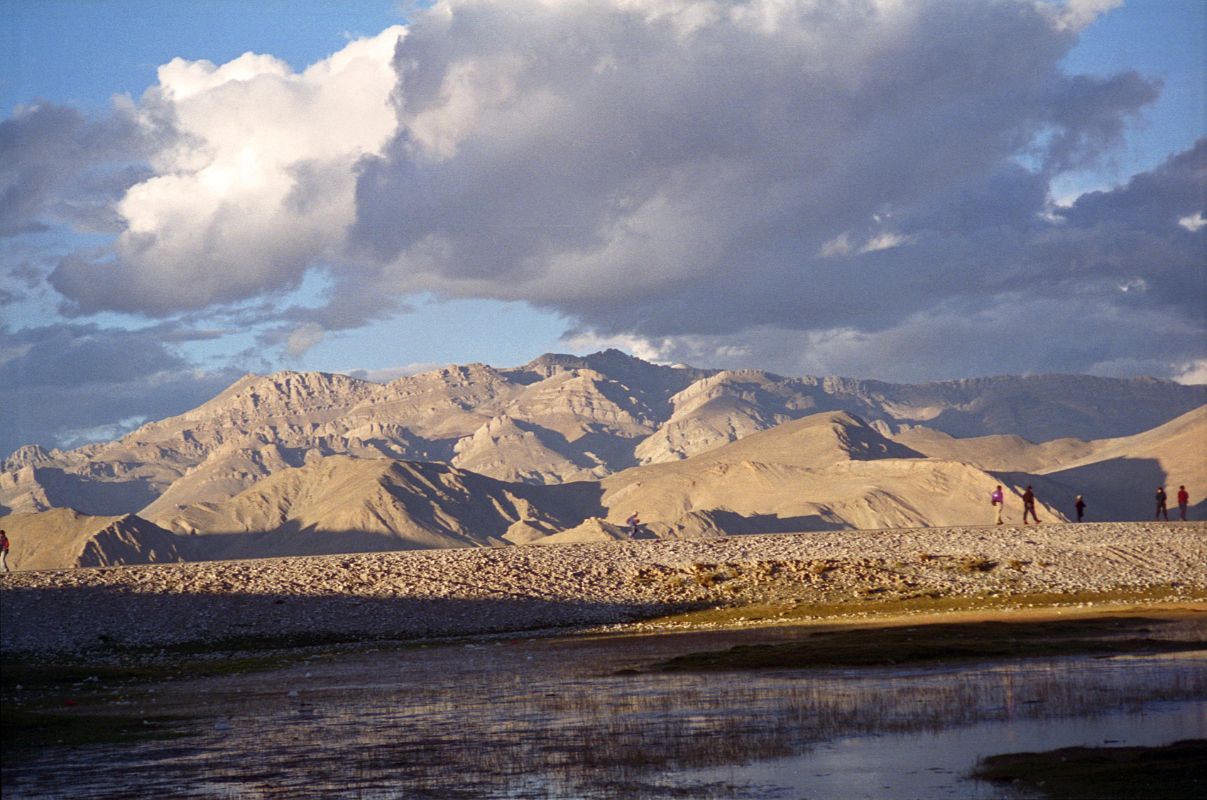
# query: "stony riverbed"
{"type": "Point", "coordinates": [412, 594]}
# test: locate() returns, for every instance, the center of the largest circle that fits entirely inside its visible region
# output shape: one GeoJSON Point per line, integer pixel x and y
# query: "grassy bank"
{"type": "Point", "coordinates": [873, 607]}
{"type": "Point", "coordinates": [1176, 771]}
{"type": "Point", "coordinates": [937, 641]}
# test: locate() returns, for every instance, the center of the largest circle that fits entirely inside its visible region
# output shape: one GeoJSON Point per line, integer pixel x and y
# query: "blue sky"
{"type": "Point", "coordinates": [1166, 39]}
{"type": "Point", "coordinates": [81, 52]}
{"type": "Point", "coordinates": [955, 190]}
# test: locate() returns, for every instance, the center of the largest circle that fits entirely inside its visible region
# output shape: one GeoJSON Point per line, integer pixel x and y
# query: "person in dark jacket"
{"type": "Point", "coordinates": [1161, 504]}
{"type": "Point", "coordinates": [1080, 506]}
{"type": "Point", "coordinates": [1029, 506]}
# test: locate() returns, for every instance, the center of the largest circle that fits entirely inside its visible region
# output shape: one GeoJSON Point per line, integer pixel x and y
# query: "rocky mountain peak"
{"type": "Point", "coordinates": [286, 392]}
{"type": "Point", "coordinates": [614, 364]}
{"type": "Point", "coordinates": [31, 455]}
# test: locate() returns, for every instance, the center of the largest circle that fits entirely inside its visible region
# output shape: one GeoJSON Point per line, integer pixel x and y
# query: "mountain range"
{"type": "Point", "coordinates": [565, 448]}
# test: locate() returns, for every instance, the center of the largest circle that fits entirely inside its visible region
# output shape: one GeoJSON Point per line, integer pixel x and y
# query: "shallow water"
{"type": "Point", "coordinates": [538, 718]}
{"type": "Point", "coordinates": [934, 764]}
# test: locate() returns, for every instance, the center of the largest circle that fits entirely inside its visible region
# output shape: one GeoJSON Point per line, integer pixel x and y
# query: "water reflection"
{"type": "Point", "coordinates": [934, 764]}
{"type": "Point", "coordinates": [551, 718]}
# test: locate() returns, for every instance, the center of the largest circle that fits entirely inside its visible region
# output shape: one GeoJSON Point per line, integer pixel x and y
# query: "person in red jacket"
{"type": "Point", "coordinates": [1183, 501]}
{"type": "Point", "coordinates": [4, 550]}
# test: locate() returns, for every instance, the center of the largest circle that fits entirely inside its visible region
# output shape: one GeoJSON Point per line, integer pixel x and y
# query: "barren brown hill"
{"type": "Point", "coordinates": [548, 422]}
{"type": "Point", "coordinates": [827, 471]}
{"type": "Point", "coordinates": [824, 472]}
{"type": "Point", "coordinates": [1005, 453]}
{"type": "Point", "coordinates": [64, 539]}
{"type": "Point", "coordinates": [341, 504]}
{"type": "Point", "coordinates": [291, 411]}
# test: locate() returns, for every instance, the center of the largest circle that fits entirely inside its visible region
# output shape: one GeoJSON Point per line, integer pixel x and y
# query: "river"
{"type": "Point", "coordinates": [586, 717]}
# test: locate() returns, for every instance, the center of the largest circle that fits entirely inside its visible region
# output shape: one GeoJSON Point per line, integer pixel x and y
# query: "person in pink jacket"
{"type": "Point", "coordinates": [999, 500]}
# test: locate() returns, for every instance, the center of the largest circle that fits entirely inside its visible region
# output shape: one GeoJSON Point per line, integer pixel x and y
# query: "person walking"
{"type": "Point", "coordinates": [1183, 502]}
{"type": "Point", "coordinates": [4, 551]}
{"type": "Point", "coordinates": [1161, 504]}
{"type": "Point", "coordinates": [1080, 506]}
{"type": "Point", "coordinates": [1029, 506]}
{"type": "Point", "coordinates": [999, 501]}
{"type": "Point", "coordinates": [634, 523]}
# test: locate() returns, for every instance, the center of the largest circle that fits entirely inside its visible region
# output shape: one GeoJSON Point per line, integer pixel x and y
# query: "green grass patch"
{"type": "Point", "coordinates": [47, 673]}
{"type": "Point", "coordinates": [1175, 771]}
{"type": "Point", "coordinates": [929, 602]}
{"type": "Point", "coordinates": [943, 642]}
{"type": "Point", "coordinates": [50, 674]}
{"type": "Point", "coordinates": [22, 727]}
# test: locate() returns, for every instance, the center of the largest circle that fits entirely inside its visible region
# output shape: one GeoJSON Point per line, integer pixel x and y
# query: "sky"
{"type": "Point", "coordinates": [905, 191]}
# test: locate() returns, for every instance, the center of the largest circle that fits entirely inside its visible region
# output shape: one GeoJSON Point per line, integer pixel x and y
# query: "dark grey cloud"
{"type": "Point", "coordinates": [1113, 285]}
{"type": "Point", "coordinates": [672, 171]}
{"type": "Point", "coordinates": [1132, 237]}
{"type": "Point", "coordinates": [57, 165]}
{"type": "Point", "coordinates": [1018, 333]}
{"type": "Point", "coordinates": [648, 176]}
{"type": "Point", "coordinates": [70, 355]}
{"type": "Point", "coordinates": [1089, 114]}
{"type": "Point", "coordinates": [59, 382]}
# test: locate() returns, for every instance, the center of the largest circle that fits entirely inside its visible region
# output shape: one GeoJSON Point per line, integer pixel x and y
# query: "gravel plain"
{"type": "Point", "coordinates": [474, 591]}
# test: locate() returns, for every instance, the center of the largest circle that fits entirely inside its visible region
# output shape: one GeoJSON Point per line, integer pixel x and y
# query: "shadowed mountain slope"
{"type": "Point", "coordinates": [1119, 478]}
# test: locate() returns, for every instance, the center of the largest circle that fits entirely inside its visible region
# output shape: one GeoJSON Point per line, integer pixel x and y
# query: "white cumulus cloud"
{"type": "Point", "coordinates": [254, 179]}
{"type": "Point", "coordinates": [1193, 222]}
